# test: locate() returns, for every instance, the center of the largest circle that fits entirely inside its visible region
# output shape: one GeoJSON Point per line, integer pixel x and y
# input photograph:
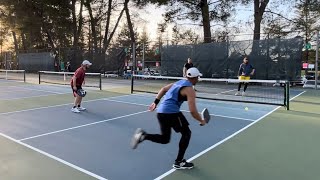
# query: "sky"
{"type": "Point", "coordinates": [153, 15]}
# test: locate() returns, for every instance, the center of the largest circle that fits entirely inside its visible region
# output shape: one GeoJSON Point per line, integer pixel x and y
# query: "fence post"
{"type": "Point", "coordinates": [317, 59]}
{"type": "Point", "coordinates": [100, 82]}
{"type": "Point", "coordinates": [134, 64]}
{"type": "Point", "coordinates": [24, 76]}
{"type": "Point", "coordinates": [39, 76]}
{"type": "Point", "coordinates": [287, 94]}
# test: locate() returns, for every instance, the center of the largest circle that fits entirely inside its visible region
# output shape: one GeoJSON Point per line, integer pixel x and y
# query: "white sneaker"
{"type": "Point", "coordinates": [75, 110]}
{"type": "Point", "coordinates": [243, 93]}
{"type": "Point", "coordinates": [238, 93]}
{"type": "Point", "coordinates": [137, 138]}
{"type": "Point", "coordinates": [81, 108]}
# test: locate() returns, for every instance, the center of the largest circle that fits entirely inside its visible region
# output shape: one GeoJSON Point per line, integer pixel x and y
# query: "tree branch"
{"type": "Point", "coordinates": [263, 6]}
{"type": "Point", "coordinates": [190, 2]}
{"type": "Point", "coordinates": [280, 15]}
{"type": "Point", "coordinates": [115, 27]}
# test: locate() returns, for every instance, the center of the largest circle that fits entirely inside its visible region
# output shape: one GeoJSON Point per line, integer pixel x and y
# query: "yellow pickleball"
{"type": "Point", "coordinates": [246, 108]}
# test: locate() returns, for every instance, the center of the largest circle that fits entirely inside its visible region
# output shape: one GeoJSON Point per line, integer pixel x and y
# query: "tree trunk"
{"type": "Point", "coordinates": [259, 9]}
{"type": "Point", "coordinates": [74, 22]}
{"type": "Point", "coordinates": [93, 23]}
{"type": "Point", "coordinates": [23, 38]}
{"type": "Point", "coordinates": [205, 21]}
{"type": "Point", "coordinates": [50, 39]}
{"type": "Point", "coordinates": [15, 41]}
{"type": "Point", "coordinates": [133, 40]}
{"type": "Point", "coordinates": [80, 21]}
{"type": "Point", "coordinates": [76, 28]}
{"type": "Point", "coordinates": [257, 27]}
{"type": "Point", "coordinates": [106, 32]}
{"type": "Point", "coordinates": [108, 39]}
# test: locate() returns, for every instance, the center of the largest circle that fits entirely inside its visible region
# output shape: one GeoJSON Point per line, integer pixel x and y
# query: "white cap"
{"type": "Point", "coordinates": [86, 62]}
{"type": "Point", "coordinates": [193, 72]}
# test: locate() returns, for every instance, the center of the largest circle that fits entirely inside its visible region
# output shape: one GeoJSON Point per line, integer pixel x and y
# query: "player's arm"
{"type": "Point", "coordinates": [74, 80]}
{"type": "Point", "coordinates": [253, 70]}
{"type": "Point", "coordinates": [184, 71]}
{"type": "Point", "coordinates": [191, 96]}
{"type": "Point", "coordinates": [240, 70]}
{"type": "Point", "coordinates": [160, 94]}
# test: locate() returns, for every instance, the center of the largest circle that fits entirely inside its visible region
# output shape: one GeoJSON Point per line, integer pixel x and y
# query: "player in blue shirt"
{"type": "Point", "coordinates": [170, 116]}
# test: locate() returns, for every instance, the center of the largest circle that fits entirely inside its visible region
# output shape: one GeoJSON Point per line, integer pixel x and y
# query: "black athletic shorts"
{"type": "Point", "coordinates": [177, 121]}
{"type": "Point", "coordinates": [75, 92]}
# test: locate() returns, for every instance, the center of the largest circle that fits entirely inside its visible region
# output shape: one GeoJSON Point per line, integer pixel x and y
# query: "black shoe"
{"type": "Point", "coordinates": [137, 138]}
{"type": "Point", "coordinates": [182, 165]}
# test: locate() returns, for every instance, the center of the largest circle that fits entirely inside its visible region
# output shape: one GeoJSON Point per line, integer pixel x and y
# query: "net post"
{"type": "Point", "coordinates": [24, 76]}
{"type": "Point", "coordinates": [6, 75]}
{"type": "Point", "coordinates": [100, 82]}
{"type": "Point", "coordinates": [131, 84]}
{"type": "Point", "coordinates": [134, 64]}
{"type": "Point", "coordinates": [39, 76]}
{"type": "Point", "coordinates": [287, 93]}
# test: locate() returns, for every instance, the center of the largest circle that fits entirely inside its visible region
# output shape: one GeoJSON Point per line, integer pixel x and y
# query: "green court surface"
{"type": "Point", "coordinates": [49, 100]}
{"type": "Point", "coordinates": [19, 162]}
{"type": "Point", "coordinates": [282, 146]}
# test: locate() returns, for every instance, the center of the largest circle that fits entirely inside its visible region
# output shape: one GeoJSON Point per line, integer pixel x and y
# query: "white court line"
{"type": "Point", "coordinates": [224, 140]}
{"type": "Point", "coordinates": [11, 90]}
{"type": "Point", "coordinates": [28, 88]}
{"type": "Point", "coordinates": [54, 158]}
{"type": "Point", "coordinates": [84, 125]}
{"type": "Point", "coordinates": [231, 117]}
{"type": "Point", "coordinates": [225, 91]}
{"type": "Point", "coordinates": [30, 97]}
{"type": "Point", "coordinates": [54, 92]}
{"type": "Point", "coordinates": [46, 107]}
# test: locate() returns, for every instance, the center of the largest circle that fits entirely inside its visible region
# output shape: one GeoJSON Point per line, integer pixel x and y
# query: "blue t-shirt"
{"type": "Point", "coordinates": [171, 103]}
{"type": "Point", "coordinates": [245, 69]}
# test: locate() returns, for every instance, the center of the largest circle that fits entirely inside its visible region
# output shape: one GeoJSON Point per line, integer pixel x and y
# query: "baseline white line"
{"type": "Point", "coordinates": [46, 107]}
{"type": "Point", "coordinates": [297, 95]}
{"type": "Point", "coordinates": [11, 91]}
{"type": "Point", "coordinates": [231, 117]}
{"type": "Point", "coordinates": [80, 126]}
{"type": "Point", "coordinates": [54, 158]}
{"type": "Point", "coordinates": [16, 86]}
{"type": "Point", "coordinates": [225, 92]}
{"type": "Point", "coordinates": [30, 97]}
{"type": "Point", "coordinates": [54, 92]}
{"type": "Point", "coordinates": [224, 140]}
{"type": "Point", "coordinates": [244, 119]}
{"type": "Point", "coordinates": [28, 88]}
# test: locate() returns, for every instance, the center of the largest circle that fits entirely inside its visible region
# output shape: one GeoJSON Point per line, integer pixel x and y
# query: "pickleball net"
{"type": "Point", "coordinates": [273, 92]}
{"type": "Point", "coordinates": [64, 78]}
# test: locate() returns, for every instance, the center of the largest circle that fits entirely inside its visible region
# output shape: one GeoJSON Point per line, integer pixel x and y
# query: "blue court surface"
{"type": "Point", "coordinates": [97, 141]}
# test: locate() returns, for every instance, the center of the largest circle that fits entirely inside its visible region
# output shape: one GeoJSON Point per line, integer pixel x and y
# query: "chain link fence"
{"type": "Point", "coordinates": [272, 58]}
